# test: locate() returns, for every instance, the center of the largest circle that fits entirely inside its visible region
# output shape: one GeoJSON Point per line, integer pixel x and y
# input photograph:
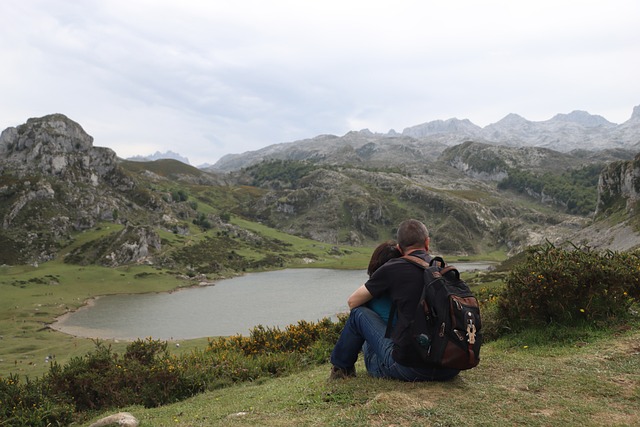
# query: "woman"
{"type": "Point", "coordinates": [381, 254]}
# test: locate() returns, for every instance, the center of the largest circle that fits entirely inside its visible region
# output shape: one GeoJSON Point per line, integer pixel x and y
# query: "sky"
{"type": "Point", "coordinates": [206, 78]}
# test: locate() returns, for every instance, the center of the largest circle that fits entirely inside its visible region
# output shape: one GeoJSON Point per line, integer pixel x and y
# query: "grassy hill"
{"type": "Point", "coordinates": [573, 377]}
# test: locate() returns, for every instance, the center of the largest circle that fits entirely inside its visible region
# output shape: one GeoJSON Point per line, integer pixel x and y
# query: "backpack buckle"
{"type": "Point", "coordinates": [471, 332]}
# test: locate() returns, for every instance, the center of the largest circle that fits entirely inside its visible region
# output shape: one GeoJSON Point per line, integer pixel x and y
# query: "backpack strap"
{"type": "Point", "coordinates": [417, 261]}
{"type": "Point", "coordinates": [436, 261]}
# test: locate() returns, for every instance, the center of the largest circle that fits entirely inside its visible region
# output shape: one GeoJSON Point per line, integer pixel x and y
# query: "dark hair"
{"type": "Point", "coordinates": [383, 253]}
{"type": "Point", "coordinates": [411, 233]}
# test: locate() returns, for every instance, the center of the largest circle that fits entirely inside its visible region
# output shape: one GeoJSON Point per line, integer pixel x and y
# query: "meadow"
{"type": "Point", "coordinates": [580, 367]}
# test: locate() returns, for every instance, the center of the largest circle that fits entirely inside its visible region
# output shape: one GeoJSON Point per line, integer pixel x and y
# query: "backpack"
{"type": "Point", "coordinates": [446, 329]}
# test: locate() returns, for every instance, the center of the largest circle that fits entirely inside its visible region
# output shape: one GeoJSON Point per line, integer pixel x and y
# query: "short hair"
{"type": "Point", "coordinates": [383, 253]}
{"type": "Point", "coordinates": [411, 233]}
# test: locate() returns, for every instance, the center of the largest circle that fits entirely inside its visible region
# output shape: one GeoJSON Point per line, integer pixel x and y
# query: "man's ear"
{"type": "Point", "coordinates": [400, 249]}
{"type": "Point", "coordinates": [426, 243]}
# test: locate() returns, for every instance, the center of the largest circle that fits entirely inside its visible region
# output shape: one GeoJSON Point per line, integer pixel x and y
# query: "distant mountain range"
{"type": "Point", "coordinates": [565, 133]}
{"type": "Point", "coordinates": [577, 130]}
{"type": "Point", "coordinates": [158, 156]}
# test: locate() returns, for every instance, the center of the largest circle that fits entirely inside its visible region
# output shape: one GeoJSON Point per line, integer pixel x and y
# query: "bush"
{"type": "Point", "coordinates": [553, 285]}
{"type": "Point", "coordinates": [295, 338]}
{"type": "Point", "coordinates": [146, 374]}
{"type": "Point", "coordinates": [31, 404]}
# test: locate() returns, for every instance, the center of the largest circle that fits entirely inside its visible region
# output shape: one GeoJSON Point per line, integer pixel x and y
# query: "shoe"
{"type": "Point", "coordinates": [341, 373]}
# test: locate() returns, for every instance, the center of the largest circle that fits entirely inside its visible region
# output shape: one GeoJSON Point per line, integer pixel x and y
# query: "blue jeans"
{"type": "Point", "coordinates": [365, 330]}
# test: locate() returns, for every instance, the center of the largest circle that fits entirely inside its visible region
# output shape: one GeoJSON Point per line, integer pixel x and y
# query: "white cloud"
{"type": "Point", "coordinates": [208, 78]}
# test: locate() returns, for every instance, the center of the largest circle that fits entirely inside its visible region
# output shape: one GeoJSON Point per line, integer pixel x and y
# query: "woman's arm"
{"type": "Point", "coordinates": [359, 297]}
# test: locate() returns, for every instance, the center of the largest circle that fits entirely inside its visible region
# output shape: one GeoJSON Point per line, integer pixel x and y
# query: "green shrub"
{"type": "Point", "coordinates": [554, 285]}
{"type": "Point", "coordinates": [147, 374]}
{"type": "Point", "coordinates": [31, 404]}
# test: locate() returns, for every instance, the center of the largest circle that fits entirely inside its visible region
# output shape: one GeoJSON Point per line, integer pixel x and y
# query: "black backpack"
{"type": "Point", "coordinates": [446, 329]}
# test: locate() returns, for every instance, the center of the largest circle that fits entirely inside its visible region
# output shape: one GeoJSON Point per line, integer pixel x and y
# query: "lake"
{"type": "Point", "coordinates": [232, 306]}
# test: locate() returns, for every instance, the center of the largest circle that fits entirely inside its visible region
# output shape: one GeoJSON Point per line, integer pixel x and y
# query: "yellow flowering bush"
{"type": "Point", "coordinates": [295, 338]}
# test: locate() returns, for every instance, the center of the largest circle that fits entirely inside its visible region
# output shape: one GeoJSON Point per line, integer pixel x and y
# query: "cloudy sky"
{"type": "Point", "coordinates": [206, 78]}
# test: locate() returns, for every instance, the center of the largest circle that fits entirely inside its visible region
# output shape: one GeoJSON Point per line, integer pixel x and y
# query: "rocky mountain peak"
{"type": "Point", "coordinates": [512, 119]}
{"type": "Point", "coordinates": [434, 127]}
{"type": "Point", "coordinates": [635, 116]}
{"type": "Point", "coordinates": [52, 133]}
{"type": "Point", "coordinates": [54, 145]}
{"type": "Point", "coordinates": [582, 118]}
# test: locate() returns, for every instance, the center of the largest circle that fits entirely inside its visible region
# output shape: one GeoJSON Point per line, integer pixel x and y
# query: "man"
{"type": "Point", "coordinates": [364, 329]}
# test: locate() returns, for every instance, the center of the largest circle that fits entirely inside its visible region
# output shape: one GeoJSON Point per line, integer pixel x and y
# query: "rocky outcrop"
{"type": "Point", "coordinates": [54, 145]}
{"type": "Point", "coordinates": [131, 245]}
{"type": "Point", "coordinates": [54, 182]}
{"type": "Point", "coordinates": [619, 186]}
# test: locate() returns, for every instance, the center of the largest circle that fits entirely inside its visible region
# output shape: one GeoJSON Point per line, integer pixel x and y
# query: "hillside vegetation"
{"type": "Point", "coordinates": [55, 187]}
{"type": "Point", "coordinates": [575, 190]}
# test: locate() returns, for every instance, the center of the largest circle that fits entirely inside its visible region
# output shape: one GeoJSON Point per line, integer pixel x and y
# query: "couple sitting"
{"type": "Point", "coordinates": [391, 280]}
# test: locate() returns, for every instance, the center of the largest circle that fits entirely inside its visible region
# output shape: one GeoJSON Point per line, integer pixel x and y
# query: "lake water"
{"type": "Point", "coordinates": [231, 306]}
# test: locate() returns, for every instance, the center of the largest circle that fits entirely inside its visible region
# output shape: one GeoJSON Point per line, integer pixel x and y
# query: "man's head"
{"type": "Point", "coordinates": [412, 235]}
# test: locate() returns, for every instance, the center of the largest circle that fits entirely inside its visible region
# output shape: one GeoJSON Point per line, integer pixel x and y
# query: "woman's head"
{"type": "Point", "coordinates": [383, 253]}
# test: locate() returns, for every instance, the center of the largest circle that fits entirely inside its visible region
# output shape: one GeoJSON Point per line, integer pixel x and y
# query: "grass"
{"type": "Point", "coordinates": [32, 297]}
{"type": "Point", "coordinates": [540, 377]}
{"type": "Point", "coordinates": [352, 258]}
{"type": "Point", "coordinates": [590, 378]}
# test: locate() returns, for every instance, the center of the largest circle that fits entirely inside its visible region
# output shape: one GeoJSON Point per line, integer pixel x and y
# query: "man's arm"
{"type": "Point", "coordinates": [359, 297]}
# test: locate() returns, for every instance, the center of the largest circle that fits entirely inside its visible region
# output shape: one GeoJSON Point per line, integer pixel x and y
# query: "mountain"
{"type": "Point", "coordinates": [63, 198]}
{"type": "Point", "coordinates": [563, 133]}
{"type": "Point", "coordinates": [159, 156]}
{"type": "Point", "coordinates": [582, 118]}
{"type": "Point", "coordinates": [452, 126]}
{"type": "Point", "coordinates": [355, 148]}
{"type": "Point", "coordinates": [53, 181]}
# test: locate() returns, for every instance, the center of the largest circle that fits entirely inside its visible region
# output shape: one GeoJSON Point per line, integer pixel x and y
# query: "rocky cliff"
{"type": "Point", "coordinates": [55, 146]}
{"type": "Point", "coordinates": [619, 187]}
{"type": "Point", "coordinates": [54, 182]}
